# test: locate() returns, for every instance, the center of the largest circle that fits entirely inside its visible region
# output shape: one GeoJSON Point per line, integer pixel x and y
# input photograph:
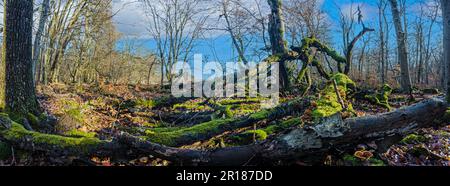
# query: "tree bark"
{"type": "Point", "coordinates": [446, 15]}
{"type": "Point", "coordinates": [402, 48]}
{"type": "Point", "coordinates": [18, 91]}
{"type": "Point", "coordinates": [277, 39]}
{"type": "Point", "coordinates": [45, 8]}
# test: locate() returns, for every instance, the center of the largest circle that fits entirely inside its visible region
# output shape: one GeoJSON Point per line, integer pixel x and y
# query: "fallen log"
{"type": "Point", "coordinates": [207, 130]}
{"type": "Point", "coordinates": [330, 133]}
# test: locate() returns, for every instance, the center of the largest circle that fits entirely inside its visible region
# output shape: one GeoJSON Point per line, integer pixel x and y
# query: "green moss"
{"type": "Point", "coordinates": [228, 113]}
{"type": "Point", "coordinates": [376, 162]}
{"type": "Point", "coordinates": [80, 134]}
{"type": "Point", "coordinates": [17, 132]}
{"type": "Point", "coordinates": [190, 106]}
{"type": "Point", "coordinates": [261, 135]}
{"type": "Point", "coordinates": [170, 137]}
{"type": "Point", "coordinates": [143, 103]}
{"type": "Point", "coordinates": [272, 129]}
{"type": "Point", "coordinates": [5, 150]}
{"type": "Point", "coordinates": [264, 114]}
{"type": "Point", "coordinates": [328, 103]}
{"type": "Point", "coordinates": [351, 160]}
{"type": "Point", "coordinates": [274, 58]}
{"type": "Point", "coordinates": [381, 98]}
{"type": "Point", "coordinates": [74, 109]}
{"type": "Point", "coordinates": [312, 41]}
{"type": "Point", "coordinates": [248, 137]}
{"type": "Point", "coordinates": [241, 101]}
{"type": "Point", "coordinates": [414, 138]}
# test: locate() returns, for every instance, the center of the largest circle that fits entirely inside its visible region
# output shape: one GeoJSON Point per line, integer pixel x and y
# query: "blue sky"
{"type": "Point", "coordinates": [131, 22]}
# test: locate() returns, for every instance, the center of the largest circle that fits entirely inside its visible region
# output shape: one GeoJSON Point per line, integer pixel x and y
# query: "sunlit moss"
{"type": "Point", "coordinates": [328, 103]}
{"type": "Point", "coordinates": [414, 138]}
{"type": "Point", "coordinates": [17, 132]}
{"type": "Point", "coordinates": [80, 134]}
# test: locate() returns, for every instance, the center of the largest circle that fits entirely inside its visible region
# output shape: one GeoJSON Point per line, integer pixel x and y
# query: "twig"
{"type": "Point", "coordinates": [339, 97]}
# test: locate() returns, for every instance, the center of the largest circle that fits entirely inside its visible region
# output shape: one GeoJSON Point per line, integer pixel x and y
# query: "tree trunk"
{"type": "Point", "coordinates": [37, 41]}
{"type": "Point", "coordinates": [446, 15]}
{"type": "Point", "coordinates": [381, 11]}
{"type": "Point", "coordinates": [18, 86]}
{"type": "Point", "coordinates": [277, 39]}
{"type": "Point", "coordinates": [402, 48]}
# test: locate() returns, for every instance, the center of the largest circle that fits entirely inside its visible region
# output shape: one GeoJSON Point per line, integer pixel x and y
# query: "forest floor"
{"type": "Point", "coordinates": [102, 111]}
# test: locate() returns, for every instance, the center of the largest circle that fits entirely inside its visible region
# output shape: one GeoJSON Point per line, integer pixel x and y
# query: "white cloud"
{"type": "Point", "coordinates": [130, 18]}
{"type": "Point", "coordinates": [368, 11]}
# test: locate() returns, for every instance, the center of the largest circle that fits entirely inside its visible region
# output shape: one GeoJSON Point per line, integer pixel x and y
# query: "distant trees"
{"type": "Point", "coordinates": [17, 91]}
{"type": "Point", "coordinates": [402, 47]}
{"type": "Point", "coordinates": [174, 25]}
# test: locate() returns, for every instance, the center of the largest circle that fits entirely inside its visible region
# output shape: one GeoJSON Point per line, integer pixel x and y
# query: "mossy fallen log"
{"type": "Point", "coordinates": [329, 134]}
{"type": "Point", "coordinates": [188, 135]}
{"type": "Point", "coordinates": [251, 136]}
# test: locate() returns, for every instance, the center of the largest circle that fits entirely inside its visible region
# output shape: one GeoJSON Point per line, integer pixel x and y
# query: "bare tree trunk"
{"type": "Point", "coordinates": [277, 38]}
{"type": "Point", "coordinates": [37, 41]}
{"type": "Point", "coordinates": [402, 48]}
{"type": "Point", "coordinates": [381, 9]}
{"type": "Point", "coordinates": [18, 92]}
{"type": "Point", "coordinates": [446, 15]}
